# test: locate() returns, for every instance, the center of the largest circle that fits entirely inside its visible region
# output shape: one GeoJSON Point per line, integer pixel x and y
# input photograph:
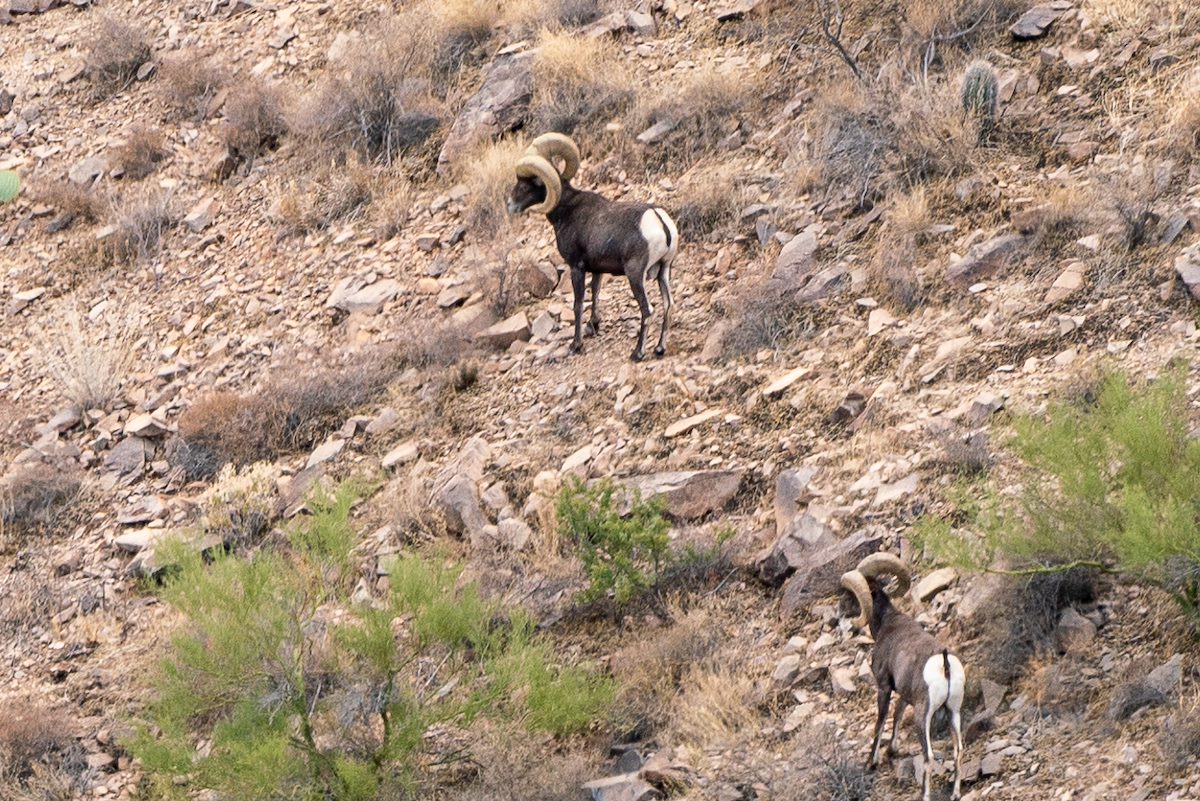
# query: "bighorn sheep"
{"type": "Point", "coordinates": [907, 660]}
{"type": "Point", "coordinates": [596, 235]}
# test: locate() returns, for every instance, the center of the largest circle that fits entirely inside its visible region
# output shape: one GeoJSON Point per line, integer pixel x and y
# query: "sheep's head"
{"type": "Point", "coordinates": [868, 577]}
{"type": "Point", "coordinates": [539, 181]}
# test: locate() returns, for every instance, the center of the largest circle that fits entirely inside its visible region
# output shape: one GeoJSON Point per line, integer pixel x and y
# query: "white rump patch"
{"type": "Point", "coordinates": [655, 235]}
{"type": "Point", "coordinates": [942, 691]}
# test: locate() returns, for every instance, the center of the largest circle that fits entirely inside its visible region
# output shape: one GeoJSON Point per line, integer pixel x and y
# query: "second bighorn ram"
{"type": "Point", "coordinates": [906, 660]}
{"type": "Point", "coordinates": [598, 236]}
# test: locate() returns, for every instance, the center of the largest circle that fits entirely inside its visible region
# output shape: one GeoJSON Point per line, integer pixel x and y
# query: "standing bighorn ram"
{"type": "Point", "coordinates": [596, 235]}
{"type": "Point", "coordinates": [906, 660]}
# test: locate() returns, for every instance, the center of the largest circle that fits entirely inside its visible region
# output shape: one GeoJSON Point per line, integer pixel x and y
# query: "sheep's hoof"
{"type": "Point", "coordinates": [638, 356]}
{"type": "Point", "coordinates": [592, 328]}
{"type": "Point", "coordinates": [660, 351]}
{"type": "Point", "coordinates": [576, 347]}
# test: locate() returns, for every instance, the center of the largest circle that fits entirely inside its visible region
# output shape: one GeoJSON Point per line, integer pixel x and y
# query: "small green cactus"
{"type": "Point", "coordinates": [979, 89]}
{"type": "Point", "coordinates": [10, 185]}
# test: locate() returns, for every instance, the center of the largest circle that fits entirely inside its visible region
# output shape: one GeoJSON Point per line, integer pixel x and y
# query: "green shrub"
{"type": "Point", "coordinates": [1112, 484]}
{"type": "Point", "coordinates": [624, 551]}
{"type": "Point", "coordinates": [300, 692]}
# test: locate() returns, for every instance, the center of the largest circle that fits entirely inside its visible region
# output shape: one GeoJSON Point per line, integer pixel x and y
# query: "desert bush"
{"type": "Point", "coordinates": [1183, 116]}
{"type": "Point", "coordinates": [578, 82]}
{"type": "Point", "coordinates": [88, 366]}
{"type": "Point", "coordinates": [240, 504]}
{"type": "Point", "coordinates": [623, 554]}
{"type": "Point", "coordinates": [1112, 486]}
{"type": "Point", "coordinates": [139, 222]}
{"type": "Point", "coordinates": [376, 102]}
{"type": "Point", "coordinates": [297, 702]}
{"type": "Point", "coordinates": [460, 29]}
{"type": "Point", "coordinates": [822, 767]}
{"type": "Point", "coordinates": [705, 108]}
{"type": "Point", "coordinates": [713, 706]}
{"type": "Point", "coordinates": [489, 178]}
{"type": "Point", "coordinates": [254, 119]}
{"type": "Point", "coordinates": [391, 206]}
{"type": "Point", "coordinates": [892, 276]}
{"type": "Point", "coordinates": [189, 83]}
{"type": "Point", "coordinates": [328, 193]}
{"type": "Point", "coordinates": [115, 50]}
{"type": "Point", "coordinates": [765, 316]}
{"type": "Point", "coordinates": [39, 759]}
{"type": "Point", "coordinates": [1179, 739]}
{"type": "Point", "coordinates": [71, 202]}
{"type": "Point", "coordinates": [966, 456]}
{"type": "Point", "coordinates": [423, 345]}
{"type": "Point", "coordinates": [140, 153]}
{"type": "Point", "coordinates": [34, 497]}
{"type": "Point", "coordinates": [516, 767]}
{"type": "Point", "coordinates": [707, 202]}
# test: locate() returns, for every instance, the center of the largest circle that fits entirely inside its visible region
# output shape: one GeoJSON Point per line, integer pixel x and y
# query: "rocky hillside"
{"type": "Point", "coordinates": [260, 250]}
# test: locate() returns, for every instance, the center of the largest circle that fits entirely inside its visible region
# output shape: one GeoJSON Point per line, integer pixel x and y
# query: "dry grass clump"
{"type": "Point", "coordinates": [375, 101]}
{"type": "Point", "coordinates": [512, 765]}
{"type": "Point", "coordinates": [489, 178]}
{"type": "Point", "coordinates": [34, 497]}
{"type": "Point", "coordinates": [705, 109]}
{"type": "Point", "coordinates": [115, 51]}
{"type": "Point", "coordinates": [1180, 736]}
{"type": "Point", "coordinates": [764, 317]}
{"type": "Point", "coordinates": [87, 364]}
{"type": "Point", "coordinates": [409, 511]}
{"type": "Point", "coordinates": [71, 201]}
{"type": "Point", "coordinates": [966, 455]}
{"type": "Point", "coordinates": [713, 706]}
{"type": "Point", "coordinates": [892, 276]}
{"type": "Point", "coordinates": [529, 16]}
{"type": "Point", "coordinates": [39, 759]}
{"type": "Point", "coordinates": [707, 202]}
{"type": "Point", "coordinates": [823, 767]}
{"type": "Point", "coordinates": [330, 192]}
{"type": "Point", "coordinates": [460, 29]}
{"type": "Point", "coordinates": [139, 223]}
{"type": "Point", "coordinates": [189, 84]}
{"type": "Point", "coordinates": [392, 206]}
{"type": "Point", "coordinates": [140, 153]}
{"type": "Point", "coordinates": [254, 119]}
{"type": "Point", "coordinates": [288, 414]}
{"type": "Point", "coordinates": [423, 345]}
{"type": "Point", "coordinates": [577, 82]}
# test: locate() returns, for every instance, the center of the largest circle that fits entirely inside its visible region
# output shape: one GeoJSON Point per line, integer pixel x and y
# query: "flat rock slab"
{"type": "Point", "coordinates": [793, 549]}
{"type": "Point", "coordinates": [1036, 21]}
{"type": "Point", "coordinates": [688, 423]}
{"type": "Point", "coordinates": [1188, 267]}
{"type": "Point", "coordinates": [821, 574]}
{"type": "Point", "coordinates": [985, 260]}
{"type": "Point", "coordinates": [688, 495]}
{"type": "Point", "coordinates": [506, 332]}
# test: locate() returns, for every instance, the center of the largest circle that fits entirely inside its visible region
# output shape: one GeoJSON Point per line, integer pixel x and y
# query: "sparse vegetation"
{"type": "Point", "coordinates": [330, 192]}
{"type": "Point", "coordinates": [489, 178]}
{"type": "Point", "coordinates": [72, 202]}
{"type": "Point", "coordinates": [707, 202]}
{"type": "Point", "coordinates": [298, 701]}
{"type": "Point", "coordinates": [578, 82]}
{"type": "Point", "coordinates": [893, 277]}
{"type": "Point", "coordinates": [34, 497]}
{"type": "Point", "coordinates": [140, 153]}
{"type": "Point", "coordinates": [705, 109]}
{"type": "Point", "coordinates": [89, 366]}
{"type": "Point", "coordinates": [138, 224]}
{"type": "Point", "coordinates": [979, 92]}
{"type": "Point", "coordinates": [39, 760]}
{"type": "Point", "coordinates": [190, 82]}
{"type": "Point", "coordinates": [115, 50]}
{"type": "Point", "coordinates": [1180, 736]}
{"type": "Point", "coordinates": [460, 29]}
{"type": "Point", "coordinates": [823, 767]}
{"type": "Point", "coordinates": [765, 316]}
{"type": "Point", "coordinates": [254, 119]}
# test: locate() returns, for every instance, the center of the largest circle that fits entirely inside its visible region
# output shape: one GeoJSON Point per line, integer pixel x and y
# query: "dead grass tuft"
{"type": "Point", "coordinates": [705, 109]}
{"type": "Point", "coordinates": [391, 206]}
{"type": "Point", "coordinates": [89, 362]}
{"type": "Point", "coordinates": [460, 29]}
{"type": "Point", "coordinates": [328, 193]}
{"type": "Point", "coordinates": [71, 202]}
{"type": "Point", "coordinates": [115, 51]}
{"type": "Point", "coordinates": [140, 153]}
{"type": "Point", "coordinates": [713, 707]}
{"type": "Point", "coordinates": [822, 767]}
{"type": "Point", "coordinates": [254, 119]}
{"type": "Point", "coordinates": [30, 734]}
{"type": "Point", "coordinates": [764, 316]}
{"type": "Point", "coordinates": [515, 766]}
{"type": "Point", "coordinates": [423, 346]}
{"type": "Point", "coordinates": [190, 83]}
{"type": "Point", "coordinates": [139, 223]}
{"type": "Point", "coordinates": [1180, 735]}
{"type": "Point", "coordinates": [34, 497]}
{"type": "Point", "coordinates": [707, 202]}
{"type": "Point", "coordinates": [578, 82]}
{"type": "Point", "coordinates": [892, 276]}
{"type": "Point", "coordinates": [489, 178]}
{"type": "Point", "coordinates": [409, 509]}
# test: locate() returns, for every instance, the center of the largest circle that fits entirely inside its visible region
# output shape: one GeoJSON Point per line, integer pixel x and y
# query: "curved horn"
{"type": "Point", "coordinates": [550, 145]}
{"type": "Point", "coordinates": [532, 166]}
{"type": "Point", "coordinates": [887, 564]}
{"type": "Point", "coordinates": [856, 582]}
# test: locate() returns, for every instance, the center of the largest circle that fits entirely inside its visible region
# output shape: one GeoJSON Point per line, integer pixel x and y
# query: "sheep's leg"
{"type": "Point", "coordinates": [956, 735]}
{"type": "Point", "coordinates": [901, 705]}
{"type": "Point", "coordinates": [637, 282]}
{"type": "Point", "coordinates": [884, 699]}
{"type": "Point", "coordinates": [923, 711]}
{"type": "Point", "coordinates": [664, 289]}
{"type": "Point", "coordinates": [577, 286]}
{"type": "Point", "coordinates": [593, 326]}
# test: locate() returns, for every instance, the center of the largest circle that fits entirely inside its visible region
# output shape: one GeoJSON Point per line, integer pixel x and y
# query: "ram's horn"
{"type": "Point", "coordinates": [534, 166]}
{"type": "Point", "coordinates": [856, 583]}
{"type": "Point", "coordinates": [555, 145]}
{"type": "Point", "coordinates": [886, 564]}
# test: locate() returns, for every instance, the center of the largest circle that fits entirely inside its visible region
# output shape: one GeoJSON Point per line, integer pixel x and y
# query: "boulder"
{"type": "Point", "coordinates": [796, 261]}
{"type": "Point", "coordinates": [1034, 23]}
{"type": "Point", "coordinates": [456, 490]}
{"type": "Point", "coordinates": [792, 549]}
{"type": "Point", "coordinates": [623, 787]}
{"type": "Point", "coordinates": [498, 107]}
{"type": "Point", "coordinates": [1188, 268]}
{"type": "Point", "coordinates": [933, 583]}
{"type": "Point", "coordinates": [985, 260]}
{"type": "Point", "coordinates": [129, 456]}
{"type": "Point", "coordinates": [791, 496]}
{"type": "Point", "coordinates": [691, 494]}
{"type": "Point", "coordinates": [1074, 631]}
{"type": "Point", "coordinates": [506, 332]}
{"type": "Point", "coordinates": [821, 573]}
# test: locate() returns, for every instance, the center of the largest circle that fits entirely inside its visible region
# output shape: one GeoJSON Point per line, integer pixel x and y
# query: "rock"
{"type": "Point", "coordinates": [370, 298]}
{"type": "Point", "coordinates": [993, 695]}
{"type": "Point", "coordinates": [498, 107]}
{"type": "Point", "coordinates": [841, 679]}
{"type": "Point", "coordinates": [990, 764]}
{"type": "Point", "coordinates": [793, 549]}
{"type": "Point", "coordinates": [129, 456]}
{"type": "Point", "coordinates": [1188, 267]}
{"type": "Point", "coordinates": [796, 261]}
{"type": "Point", "coordinates": [63, 420]}
{"type": "Point", "coordinates": [605, 26]}
{"type": "Point", "coordinates": [1068, 283]}
{"type": "Point", "coordinates": [666, 774]}
{"type": "Point", "coordinates": [149, 563]}
{"type": "Point", "coordinates": [688, 495]}
{"type": "Point", "coordinates": [985, 259]}
{"type": "Point", "coordinates": [1074, 631]}
{"type": "Point", "coordinates": [144, 425]}
{"type": "Point", "coordinates": [456, 490]}
{"type": "Point", "coordinates": [935, 582]}
{"type": "Point", "coordinates": [324, 452]}
{"type": "Point", "coordinates": [784, 381]}
{"type": "Point", "coordinates": [641, 23]}
{"type": "Point", "coordinates": [824, 283]}
{"type": "Point", "coordinates": [200, 216]}
{"type": "Point", "coordinates": [85, 172]}
{"type": "Point", "coordinates": [656, 132]}
{"type": "Point", "coordinates": [688, 423]}
{"type": "Point", "coordinates": [542, 327]}
{"type": "Point", "coordinates": [513, 533]}
{"type": "Point", "coordinates": [878, 320]}
{"type": "Point", "coordinates": [537, 278]}
{"type": "Point", "coordinates": [383, 422]}
{"type": "Point", "coordinates": [402, 454]}
{"type": "Point", "coordinates": [822, 570]}
{"type": "Point", "coordinates": [896, 490]}
{"type": "Point", "coordinates": [851, 407]}
{"type": "Point", "coordinates": [506, 332]}
{"type": "Point", "coordinates": [1036, 21]}
{"type": "Point", "coordinates": [135, 541]}
{"type": "Point", "coordinates": [740, 9]}
{"type": "Point", "coordinates": [1167, 678]}
{"type": "Point", "coordinates": [791, 495]}
{"type": "Point", "coordinates": [787, 670]}
{"type": "Point", "coordinates": [629, 762]}
{"type": "Point", "coordinates": [577, 460]}
{"type": "Point", "coordinates": [625, 787]}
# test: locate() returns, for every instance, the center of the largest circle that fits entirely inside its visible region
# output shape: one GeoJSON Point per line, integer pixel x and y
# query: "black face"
{"type": "Point", "coordinates": [527, 192]}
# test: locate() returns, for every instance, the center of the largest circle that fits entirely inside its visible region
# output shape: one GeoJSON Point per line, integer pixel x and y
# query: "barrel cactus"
{"type": "Point", "coordinates": [10, 185]}
{"type": "Point", "coordinates": [979, 90]}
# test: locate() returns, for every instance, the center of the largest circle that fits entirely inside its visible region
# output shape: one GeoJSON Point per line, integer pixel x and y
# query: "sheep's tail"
{"type": "Point", "coordinates": [946, 663]}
